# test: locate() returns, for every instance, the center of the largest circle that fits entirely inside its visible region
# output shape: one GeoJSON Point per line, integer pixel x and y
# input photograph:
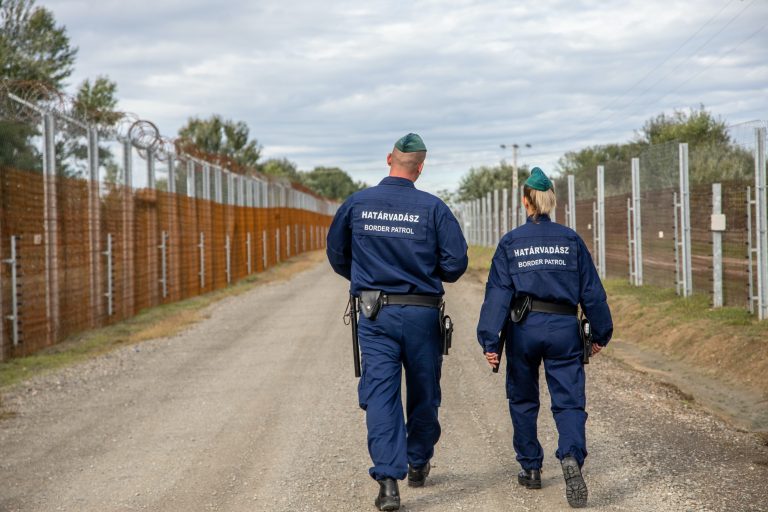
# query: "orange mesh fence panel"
{"type": "Point", "coordinates": [145, 249]}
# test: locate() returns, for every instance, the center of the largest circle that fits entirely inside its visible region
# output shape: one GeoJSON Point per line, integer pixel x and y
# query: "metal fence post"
{"type": "Point", "coordinates": [127, 229]}
{"type": "Point", "coordinates": [277, 245]}
{"type": "Point", "coordinates": [496, 219]}
{"type": "Point", "coordinates": [685, 222]}
{"type": "Point", "coordinates": [206, 182]}
{"type": "Point", "coordinates": [94, 226]}
{"type": "Point", "coordinates": [217, 185]}
{"type": "Point", "coordinates": [505, 209]}
{"type": "Point", "coordinates": [264, 257]}
{"type": "Point", "coordinates": [678, 244]}
{"type": "Point", "coordinates": [718, 226]}
{"type": "Point", "coordinates": [630, 244]}
{"type": "Point", "coordinates": [191, 192]}
{"type": "Point", "coordinates": [751, 298]}
{"type": "Point", "coordinates": [637, 222]}
{"type": "Point", "coordinates": [50, 226]}
{"type": "Point", "coordinates": [488, 219]}
{"type": "Point", "coordinates": [151, 176]}
{"type": "Point", "coordinates": [164, 262]}
{"type": "Point", "coordinates": [14, 316]}
{"type": "Point", "coordinates": [171, 174]}
{"type": "Point", "coordinates": [572, 202]}
{"type": "Point", "coordinates": [594, 236]}
{"type": "Point", "coordinates": [201, 247]}
{"type": "Point", "coordinates": [248, 251]}
{"type": "Point", "coordinates": [761, 222]}
{"type": "Point", "coordinates": [522, 214]}
{"type": "Point", "coordinates": [109, 294]}
{"type": "Point", "coordinates": [228, 252]}
{"type": "Point", "coordinates": [601, 217]}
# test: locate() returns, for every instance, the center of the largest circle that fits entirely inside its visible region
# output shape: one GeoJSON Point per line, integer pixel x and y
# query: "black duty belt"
{"type": "Point", "coordinates": [429, 301]}
{"type": "Point", "coordinates": [553, 307]}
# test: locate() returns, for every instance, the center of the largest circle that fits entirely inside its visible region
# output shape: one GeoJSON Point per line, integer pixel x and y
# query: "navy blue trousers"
{"type": "Point", "coordinates": [555, 340]}
{"type": "Point", "coordinates": [400, 337]}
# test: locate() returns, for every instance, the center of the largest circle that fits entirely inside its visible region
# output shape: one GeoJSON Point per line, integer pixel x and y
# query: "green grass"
{"type": "Point", "coordinates": [681, 309]}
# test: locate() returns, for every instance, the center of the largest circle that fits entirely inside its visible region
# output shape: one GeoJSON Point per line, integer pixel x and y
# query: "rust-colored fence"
{"type": "Point", "coordinates": [694, 219]}
{"type": "Point", "coordinates": [137, 248]}
{"type": "Point", "coordinates": [97, 224]}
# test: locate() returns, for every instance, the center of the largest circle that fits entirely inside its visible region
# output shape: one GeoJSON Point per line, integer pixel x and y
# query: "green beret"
{"type": "Point", "coordinates": [538, 180]}
{"type": "Point", "coordinates": [410, 143]}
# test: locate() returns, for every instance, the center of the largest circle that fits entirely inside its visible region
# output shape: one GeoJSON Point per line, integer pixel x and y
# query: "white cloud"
{"type": "Point", "coordinates": [335, 83]}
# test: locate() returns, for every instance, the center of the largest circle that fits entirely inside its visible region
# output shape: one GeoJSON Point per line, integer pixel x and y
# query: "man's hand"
{"type": "Point", "coordinates": [492, 358]}
{"type": "Point", "coordinates": [596, 349]}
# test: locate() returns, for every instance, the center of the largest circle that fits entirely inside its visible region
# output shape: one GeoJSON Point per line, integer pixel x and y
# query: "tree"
{"type": "Point", "coordinates": [32, 47]}
{"type": "Point", "coordinates": [281, 167]}
{"type": "Point", "coordinates": [712, 155]}
{"type": "Point", "coordinates": [696, 127]}
{"type": "Point", "coordinates": [223, 138]}
{"type": "Point", "coordinates": [331, 182]}
{"type": "Point", "coordinates": [95, 102]}
{"type": "Point", "coordinates": [481, 180]}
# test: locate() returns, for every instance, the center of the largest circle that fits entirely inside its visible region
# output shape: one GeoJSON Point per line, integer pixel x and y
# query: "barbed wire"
{"type": "Point", "coordinates": [25, 102]}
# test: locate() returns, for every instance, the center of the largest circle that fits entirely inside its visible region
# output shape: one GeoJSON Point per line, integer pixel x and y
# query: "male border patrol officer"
{"type": "Point", "coordinates": [403, 242]}
{"type": "Point", "coordinates": [540, 272]}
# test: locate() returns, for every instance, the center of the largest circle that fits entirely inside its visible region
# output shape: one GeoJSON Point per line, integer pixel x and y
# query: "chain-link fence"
{"type": "Point", "coordinates": [96, 226]}
{"type": "Point", "coordinates": [691, 219]}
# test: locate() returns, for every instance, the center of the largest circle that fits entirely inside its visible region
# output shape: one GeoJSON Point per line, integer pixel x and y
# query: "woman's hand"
{"type": "Point", "coordinates": [596, 349]}
{"type": "Point", "coordinates": [492, 358]}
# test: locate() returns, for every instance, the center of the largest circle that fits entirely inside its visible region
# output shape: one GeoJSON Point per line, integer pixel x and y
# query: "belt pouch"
{"type": "Point", "coordinates": [520, 309]}
{"type": "Point", "coordinates": [371, 301]}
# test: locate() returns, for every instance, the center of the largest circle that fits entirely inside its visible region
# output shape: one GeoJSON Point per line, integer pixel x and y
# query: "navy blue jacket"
{"type": "Point", "coordinates": [548, 262]}
{"type": "Point", "coordinates": [395, 238]}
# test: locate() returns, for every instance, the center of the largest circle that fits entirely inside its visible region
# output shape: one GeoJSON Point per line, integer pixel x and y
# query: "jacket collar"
{"type": "Point", "coordinates": [542, 218]}
{"type": "Point", "coordinates": [400, 182]}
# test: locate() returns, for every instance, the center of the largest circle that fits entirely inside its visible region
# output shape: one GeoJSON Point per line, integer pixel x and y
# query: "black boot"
{"type": "Point", "coordinates": [530, 478]}
{"type": "Point", "coordinates": [575, 487]}
{"type": "Point", "coordinates": [389, 495]}
{"type": "Point", "coordinates": [417, 477]}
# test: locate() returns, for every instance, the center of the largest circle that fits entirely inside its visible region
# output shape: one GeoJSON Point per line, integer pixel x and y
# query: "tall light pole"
{"type": "Point", "coordinates": [515, 184]}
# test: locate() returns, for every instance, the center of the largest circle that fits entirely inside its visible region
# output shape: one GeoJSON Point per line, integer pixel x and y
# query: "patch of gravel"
{"type": "Point", "coordinates": [255, 408]}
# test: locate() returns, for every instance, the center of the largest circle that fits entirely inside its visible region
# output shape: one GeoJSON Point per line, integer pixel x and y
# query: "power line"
{"type": "Point", "coordinates": [666, 59]}
{"type": "Point", "coordinates": [705, 43]}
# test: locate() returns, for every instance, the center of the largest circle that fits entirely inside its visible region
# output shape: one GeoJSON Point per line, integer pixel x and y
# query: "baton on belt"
{"type": "Point", "coordinates": [502, 342]}
{"type": "Point", "coordinates": [355, 341]}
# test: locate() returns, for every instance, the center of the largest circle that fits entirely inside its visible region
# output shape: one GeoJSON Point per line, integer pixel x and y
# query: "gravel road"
{"type": "Point", "coordinates": [255, 408]}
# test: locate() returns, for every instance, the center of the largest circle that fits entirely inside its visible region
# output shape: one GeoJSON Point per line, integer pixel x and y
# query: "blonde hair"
{"type": "Point", "coordinates": [542, 202]}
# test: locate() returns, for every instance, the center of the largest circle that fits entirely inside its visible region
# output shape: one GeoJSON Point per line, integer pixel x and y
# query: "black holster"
{"type": "Point", "coordinates": [370, 303]}
{"type": "Point", "coordinates": [520, 309]}
{"type": "Point", "coordinates": [446, 329]}
{"type": "Point", "coordinates": [585, 330]}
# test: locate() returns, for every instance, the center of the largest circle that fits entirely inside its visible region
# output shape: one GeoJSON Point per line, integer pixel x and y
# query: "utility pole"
{"type": "Point", "coordinates": [515, 181]}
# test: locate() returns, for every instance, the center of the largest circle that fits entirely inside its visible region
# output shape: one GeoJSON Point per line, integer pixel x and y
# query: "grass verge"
{"type": "Point", "coordinates": [157, 322]}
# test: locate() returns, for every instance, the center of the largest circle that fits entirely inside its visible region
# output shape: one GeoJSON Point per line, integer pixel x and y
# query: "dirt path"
{"type": "Point", "coordinates": [255, 409]}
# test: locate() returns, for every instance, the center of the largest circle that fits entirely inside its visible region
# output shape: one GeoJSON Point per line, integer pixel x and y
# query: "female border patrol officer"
{"type": "Point", "coordinates": [540, 273]}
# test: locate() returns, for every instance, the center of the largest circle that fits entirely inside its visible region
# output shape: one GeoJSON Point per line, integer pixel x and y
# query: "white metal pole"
{"type": "Point", "coordinates": [515, 185]}
{"type": "Point", "coordinates": [601, 217]}
{"type": "Point", "coordinates": [572, 201]}
{"type": "Point", "coordinates": [496, 220]}
{"type": "Point", "coordinates": [717, 246]}
{"type": "Point", "coordinates": [685, 221]}
{"type": "Point", "coordinates": [505, 209]}
{"type": "Point", "coordinates": [637, 222]}
{"type": "Point", "coordinates": [761, 225]}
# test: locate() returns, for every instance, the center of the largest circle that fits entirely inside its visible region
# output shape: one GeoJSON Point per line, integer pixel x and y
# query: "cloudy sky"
{"type": "Point", "coordinates": [337, 82]}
